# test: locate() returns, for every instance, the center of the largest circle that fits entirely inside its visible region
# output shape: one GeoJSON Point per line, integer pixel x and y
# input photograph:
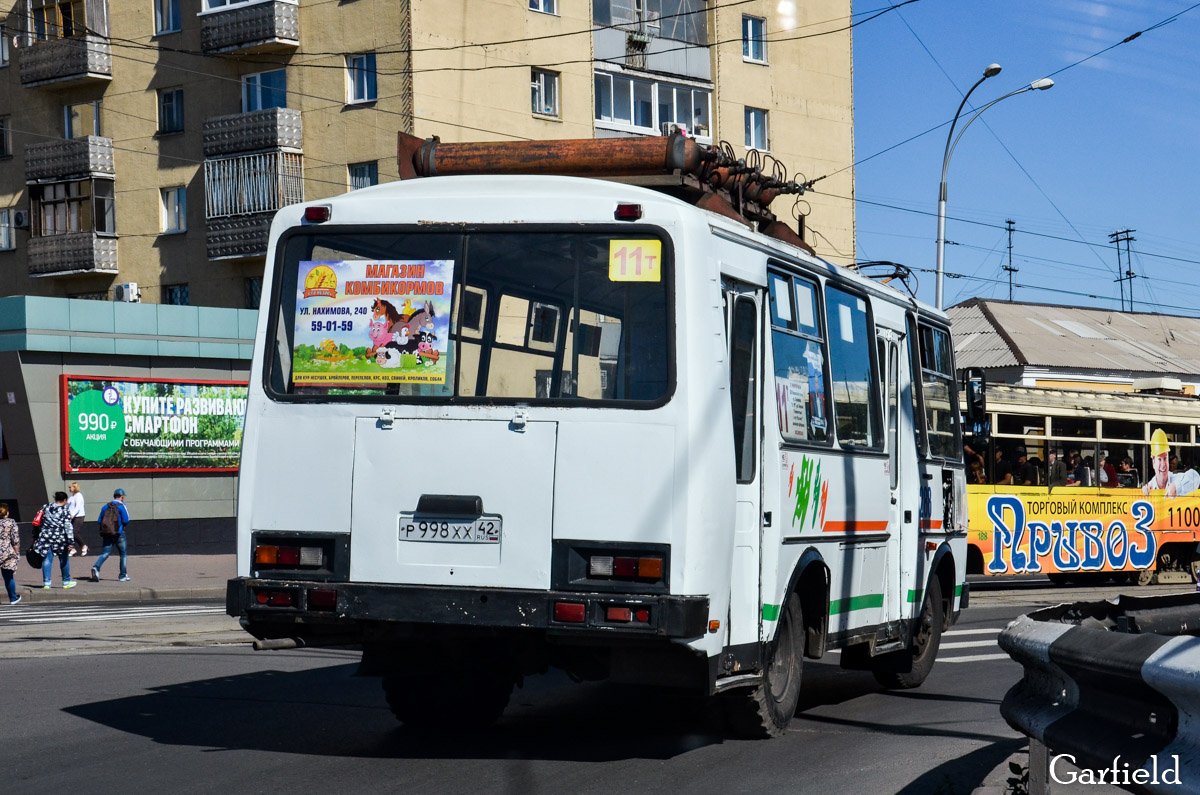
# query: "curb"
{"type": "Point", "coordinates": [82, 595]}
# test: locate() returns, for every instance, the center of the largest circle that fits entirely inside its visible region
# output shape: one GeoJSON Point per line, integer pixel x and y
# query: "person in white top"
{"type": "Point", "coordinates": [75, 510]}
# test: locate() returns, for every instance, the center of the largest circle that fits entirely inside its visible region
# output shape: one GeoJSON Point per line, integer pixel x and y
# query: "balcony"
{"type": "Point", "coordinates": [272, 26]}
{"type": "Point", "coordinates": [75, 157]}
{"type": "Point", "coordinates": [253, 166]}
{"type": "Point", "coordinates": [274, 128]}
{"type": "Point", "coordinates": [72, 254]}
{"type": "Point", "coordinates": [66, 62]}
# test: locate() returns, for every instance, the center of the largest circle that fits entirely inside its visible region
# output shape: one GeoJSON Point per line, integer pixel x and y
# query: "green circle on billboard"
{"type": "Point", "coordinates": [97, 424]}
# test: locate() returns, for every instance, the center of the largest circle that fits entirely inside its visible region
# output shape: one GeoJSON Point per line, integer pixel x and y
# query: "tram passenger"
{"type": "Point", "coordinates": [1058, 470]}
{"type": "Point", "coordinates": [1002, 472]}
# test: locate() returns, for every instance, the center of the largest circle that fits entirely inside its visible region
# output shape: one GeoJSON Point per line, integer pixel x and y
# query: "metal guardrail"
{"type": "Point", "coordinates": [1114, 686]}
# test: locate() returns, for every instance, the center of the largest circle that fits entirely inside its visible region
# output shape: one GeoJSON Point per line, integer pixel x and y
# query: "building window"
{"type": "Point", "coordinates": [264, 90]}
{"type": "Point", "coordinates": [679, 20]}
{"type": "Point", "coordinates": [174, 210]}
{"type": "Point", "coordinates": [6, 230]}
{"type": "Point", "coordinates": [545, 6]}
{"type": "Point", "coordinates": [360, 78]}
{"type": "Point", "coordinates": [60, 208]}
{"type": "Point", "coordinates": [254, 183]}
{"type": "Point", "coordinates": [364, 175]}
{"type": "Point", "coordinates": [166, 16]}
{"type": "Point", "coordinates": [4, 50]}
{"type": "Point", "coordinates": [754, 39]}
{"type": "Point", "coordinates": [170, 110]}
{"type": "Point", "coordinates": [543, 87]}
{"type": "Point", "coordinates": [213, 5]}
{"type": "Point", "coordinates": [175, 294]}
{"type": "Point", "coordinates": [253, 292]}
{"type": "Point", "coordinates": [5, 137]}
{"type": "Point", "coordinates": [756, 129]}
{"type": "Point", "coordinates": [57, 20]}
{"type": "Point", "coordinates": [647, 106]}
{"type": "Point", "coordinates": [82, 119]}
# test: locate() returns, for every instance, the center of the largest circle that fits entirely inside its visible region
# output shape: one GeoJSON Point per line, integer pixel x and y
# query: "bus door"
{"type": "Point", "coordinates": [742, 308]}
{"type": "Point", "coordinates": [899, 513]}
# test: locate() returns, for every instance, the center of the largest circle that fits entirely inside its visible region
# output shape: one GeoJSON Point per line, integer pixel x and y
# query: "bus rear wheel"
{"type": "Point", "coordinates": [908, 668]}
{"type": "Point", "coordinates": [767, 710]}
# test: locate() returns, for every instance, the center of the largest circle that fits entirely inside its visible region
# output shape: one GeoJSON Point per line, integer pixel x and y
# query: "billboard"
{"type": "Point", "coordinates": [151, 425]}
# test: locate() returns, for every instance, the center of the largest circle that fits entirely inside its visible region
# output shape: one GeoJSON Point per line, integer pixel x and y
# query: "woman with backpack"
{"type": "Point", "coordinates": [54, 538]}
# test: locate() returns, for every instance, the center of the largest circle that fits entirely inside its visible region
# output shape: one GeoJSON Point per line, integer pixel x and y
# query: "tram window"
{"type": "Point", "coordinates": [1073, 427]}
{"type": "Point", "coordinates": [1176, 434]}
{"type": "Point", "coordinates": [798, 353]}
{"type": "Point", "coordinates": [1021, 425]}
{"type": "Point", "coordinates": [938, 393]}
{"type": "Point", "coordinates": [854, 380]}
{"type": "Point", "coordinates": [1123, 429]}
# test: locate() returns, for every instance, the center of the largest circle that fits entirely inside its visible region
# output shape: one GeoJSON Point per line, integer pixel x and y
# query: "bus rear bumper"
{"type": "Point", "coordinates": [279, 608]}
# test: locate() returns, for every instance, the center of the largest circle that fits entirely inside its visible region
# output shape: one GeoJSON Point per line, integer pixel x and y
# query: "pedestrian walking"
{"type": "Point", "coordinates": [55, 539]}
{"type": "Point", "coordinates": [114, 518]}
{"type": "Point", "coordinates": [76, 510]}
{"type": "Point", "coordinates": [10, 553]}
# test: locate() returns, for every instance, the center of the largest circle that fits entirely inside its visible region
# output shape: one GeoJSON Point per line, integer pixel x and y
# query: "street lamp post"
{"type": "Point", "coordinates": [951, 143]}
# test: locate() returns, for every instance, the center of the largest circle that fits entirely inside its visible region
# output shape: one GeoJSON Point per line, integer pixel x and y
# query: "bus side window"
{"type": "Point", "coordinates": [855, 378]}
{"type": "Point", "coordinates": [914, 362]}
{"type": "Point", "coordinates": [798, 352]}
{"type": "Point", "coordinates": [939, 393]}
{"type": "Point", "coordinates": [742, 390]}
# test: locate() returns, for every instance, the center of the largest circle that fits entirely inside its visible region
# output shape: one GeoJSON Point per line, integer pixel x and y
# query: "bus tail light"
{"type": "Point", "coordinates": [570, 612]}
{"type": "Point", "coordinates": [322, 599]}
{"type": "Point", "coordinates": [275, 598]}
{"type": "Point", "coordinates": [623, 614]}
{"type": "Point", "coordinates": [644, 568]}
{"type": "Point", "coordinates": [278, 555]}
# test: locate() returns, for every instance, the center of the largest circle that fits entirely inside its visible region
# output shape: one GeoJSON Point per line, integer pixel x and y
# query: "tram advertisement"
{"type": "Point", "coordinates": [1072, 530]}
{"type": "Point", "coordinates": [133, 425]}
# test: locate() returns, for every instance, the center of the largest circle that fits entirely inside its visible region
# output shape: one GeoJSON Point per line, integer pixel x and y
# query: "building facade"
{"type": "Point", "coordinates": [146, 144]}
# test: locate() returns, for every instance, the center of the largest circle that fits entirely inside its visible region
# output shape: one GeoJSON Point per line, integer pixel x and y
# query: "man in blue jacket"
{"type": "Point", "coordinates": [112, 533]}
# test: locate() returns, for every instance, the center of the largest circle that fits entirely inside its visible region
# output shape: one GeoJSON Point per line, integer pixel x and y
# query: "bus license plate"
{"type": "Point", "coordinates": [484, 530]}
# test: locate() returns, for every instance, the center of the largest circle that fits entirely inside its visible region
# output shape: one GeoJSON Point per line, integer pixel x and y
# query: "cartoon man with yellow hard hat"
{"type": "Point", "coordinates": [1176, 484]}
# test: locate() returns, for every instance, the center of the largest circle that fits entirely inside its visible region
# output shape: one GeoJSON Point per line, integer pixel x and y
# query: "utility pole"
{"type": "Point", "coordinates": [1117, 238]}
{"type": "Point", "coordinates": [1009, 267]}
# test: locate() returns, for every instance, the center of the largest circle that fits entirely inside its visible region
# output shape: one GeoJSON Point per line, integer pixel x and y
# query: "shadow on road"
{"type": "Point", "coordinates": [973, 767]}
{"type": "Point", "coordinates": [330, 712]}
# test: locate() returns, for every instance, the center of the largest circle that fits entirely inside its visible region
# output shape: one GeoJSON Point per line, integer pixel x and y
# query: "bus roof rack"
{"type": "Point", "coordinates": [712, 178]}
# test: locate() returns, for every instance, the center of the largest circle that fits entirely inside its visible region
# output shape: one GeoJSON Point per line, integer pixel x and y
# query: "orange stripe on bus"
{"type": "Point", "coordinates": [931, 524]}
{"type": "Point", "coordinates": [855, 527]}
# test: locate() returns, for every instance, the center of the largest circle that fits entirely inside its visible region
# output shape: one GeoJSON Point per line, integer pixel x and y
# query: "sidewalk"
{"type": "Point", "coordinates": [152, 577]}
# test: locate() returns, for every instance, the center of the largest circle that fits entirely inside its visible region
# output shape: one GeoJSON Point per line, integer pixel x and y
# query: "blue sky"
{"type": "Point", "coordinates": [1114, 144]}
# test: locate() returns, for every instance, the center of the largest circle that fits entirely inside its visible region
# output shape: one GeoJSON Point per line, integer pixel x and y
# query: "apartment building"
{"type": "Point", "coordinates": [146, 144]}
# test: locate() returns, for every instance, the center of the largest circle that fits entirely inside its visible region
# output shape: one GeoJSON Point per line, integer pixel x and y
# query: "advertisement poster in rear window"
{"type": "Point", "coordinates": [372, 322]}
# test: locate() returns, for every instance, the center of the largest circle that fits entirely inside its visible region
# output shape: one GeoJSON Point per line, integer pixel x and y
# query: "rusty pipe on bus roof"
{"type": "Point", "coordinates": [581, 157]}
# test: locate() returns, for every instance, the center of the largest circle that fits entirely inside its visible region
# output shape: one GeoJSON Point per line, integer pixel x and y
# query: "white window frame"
{"type": "Point", "coordinates": [252, 87]}
{"type": "Point", "coordinates": [5, 58]}
{"type": "Point", "coordinates": [543, 92]}
{"type": "Point", "coordinates": [752, 141]}
{"type": "Point", "coordinates": [7, 242]}
{"type": "Point", "coordinates": [217, 6]}
{"type": "Point", "coordinates": [362, 63]}
{"type": "Point", "coordinates": [176, 110]}
{"type": "Point", "coordinates": [364, 170]}
{"type": "Point", "coordinates": [544, 6]}
{"type": "Point", "coordinates": [754, 39]}
{"type": "Point", "coordinates": [167, 16]}
{"type": "Point", "coordinates": [608, 79]}
{"type": "Point", "coordinates": [174, 209]}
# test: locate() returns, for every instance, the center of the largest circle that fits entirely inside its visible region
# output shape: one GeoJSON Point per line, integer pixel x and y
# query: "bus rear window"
{"type": "Point", "coordinates": [554, 316]}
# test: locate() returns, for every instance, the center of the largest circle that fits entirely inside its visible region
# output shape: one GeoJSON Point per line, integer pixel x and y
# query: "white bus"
{"type": "Point", "coordinates": [502, 423]}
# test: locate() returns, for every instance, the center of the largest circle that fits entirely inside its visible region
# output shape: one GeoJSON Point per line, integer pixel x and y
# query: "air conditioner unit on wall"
{"type": "Point", "coordinates": [127, 292]}
{"type": "Point", "coordinates": [20, 219]}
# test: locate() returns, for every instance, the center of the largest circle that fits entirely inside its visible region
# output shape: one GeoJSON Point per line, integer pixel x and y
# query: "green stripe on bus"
{"type": "Point", "coordinates": [915, 596]}
{"type": "Point", "coordinates": [958, 590]}
{"type": "Point", "coordinates": [770, 612]}
{"type": "Point", "coordinates": [856, 603]}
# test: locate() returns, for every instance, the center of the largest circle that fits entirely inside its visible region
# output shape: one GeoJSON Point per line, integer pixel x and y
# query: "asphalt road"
{"type": "Point", "coordinates": [173, 712]}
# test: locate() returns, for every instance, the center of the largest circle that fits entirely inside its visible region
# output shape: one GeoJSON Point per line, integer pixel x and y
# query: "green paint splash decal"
{"type": "Point", "coordinates": [811, 493]}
